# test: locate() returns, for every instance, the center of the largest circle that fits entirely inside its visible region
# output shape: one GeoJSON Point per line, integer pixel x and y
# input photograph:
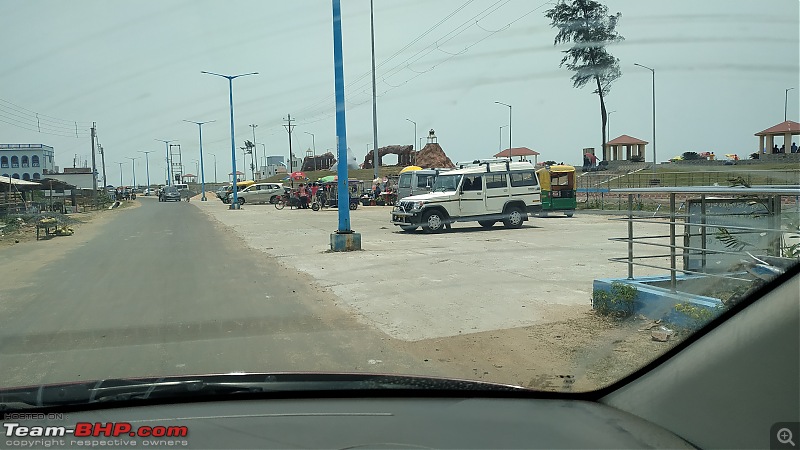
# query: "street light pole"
{"type": "Point", "coordinates": [414, 141]}
{"type": "Point", "coordinates": [215, 167]}
{"type": "Point", "coordinates": [230, 78]}
{"type": "Point", "coordinates": [147, 166]}
{"type": "Point", "coordinates": [653, 71]}
{"type": "Point", "coordinates": [608, 123]}
{"type": "Point", "coordinates": [169, 170]}
{"type": "Point", "coordinates": [500, 145]}
{"type": "Point", "coordinates": [202, 172]}
{"type": "Point", "coordinates": [133, 166]}
{"type": "Point", "coordinates": [255, 153]}
{"type": "Point", "coordinates": [786, 103]}
{"type": "Point", "coordinates": [510, 152]}
{"type": "Point", "coordinates": [313, 148]}
{"type": "Point", "coordinates": [120, 173]}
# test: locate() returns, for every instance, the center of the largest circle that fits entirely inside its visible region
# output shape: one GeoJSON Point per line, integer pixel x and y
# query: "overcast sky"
{"type": "Point", "coordinates": [133, 67]}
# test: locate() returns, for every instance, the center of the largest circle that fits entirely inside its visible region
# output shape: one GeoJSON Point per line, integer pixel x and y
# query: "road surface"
{"type": "Point", "coordinates": [159, 289]}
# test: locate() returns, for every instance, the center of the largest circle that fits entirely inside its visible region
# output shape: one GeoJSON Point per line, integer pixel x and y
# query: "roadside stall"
{"type": "Point", "coordinates": [558, 187]}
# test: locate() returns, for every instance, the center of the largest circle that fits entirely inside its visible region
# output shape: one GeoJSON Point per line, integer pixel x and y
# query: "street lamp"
{"type": "Point", "coordinates": [655, 160]}
{"type": "Point", "coordinates": [133, 166]}
{"type": "Point", "coordinates": [313, 147]}
{"type": "Point", "coordinates": [202, 173]}
{"type": "Point", "coordinates": [608, 123]}
{"type": "Point", "coordinates": [510, 152]}
{"type": "Point", "coordinates": [169, 170]}
{"type": "Point", "coordinates": [147, 166]}
{"type": "Point", "coordinates": [786, 102]}
{"type": "Point", "coordinates": [215, 167]}
{"type": "Point", "coordinates": [120, 173]}
{"type": "Point", "coordinates": [230, 78]}
{"type": "Point", "coordinates": [414, 141]}
{"type": "Point", "coordinates": [254, 155]}
{"type": "Point", "coordinates": [500, 145]}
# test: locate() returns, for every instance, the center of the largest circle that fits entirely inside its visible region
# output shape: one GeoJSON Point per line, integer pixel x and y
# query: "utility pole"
{"type": "Point", "coordinates": [375, 159]}
{"type": "Point", "coordinates": [103, 162]}
{"type": "Point", "coordinates": [94, 169]}
{"type": "Point", "coordinates": [253, 126]}
{"type": "Point", "coordinates": [147, 166]}
{"type": "Point", "coordinates": [120, 173]}
{"type": "Point", "coordinates": [288, 125]}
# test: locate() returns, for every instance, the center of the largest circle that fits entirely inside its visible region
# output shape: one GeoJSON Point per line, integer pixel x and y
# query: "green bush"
{"type": "Point", "coordinates": [619, 301]}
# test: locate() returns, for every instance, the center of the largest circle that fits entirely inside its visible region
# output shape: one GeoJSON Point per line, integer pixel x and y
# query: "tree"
{"type": "Point", "coordinates": [587, 24]}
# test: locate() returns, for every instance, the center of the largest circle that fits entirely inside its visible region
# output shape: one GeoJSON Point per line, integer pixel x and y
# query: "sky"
{"type": "Point", "coordinates": [134, 68]}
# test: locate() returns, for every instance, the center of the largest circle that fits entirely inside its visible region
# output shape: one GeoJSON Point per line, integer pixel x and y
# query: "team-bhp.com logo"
{"type": "Point", "coordinates": [97, 429]}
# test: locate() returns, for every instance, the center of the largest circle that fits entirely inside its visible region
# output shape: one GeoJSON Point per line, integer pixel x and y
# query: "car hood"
{"type": "Point", "coordinates": [431, 196]}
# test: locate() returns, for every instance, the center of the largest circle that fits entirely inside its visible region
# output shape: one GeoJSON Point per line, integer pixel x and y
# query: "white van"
{"type": "Point", "coordinates": [417, 182]}
{"type": "Point", "coordinates": [485, 193]}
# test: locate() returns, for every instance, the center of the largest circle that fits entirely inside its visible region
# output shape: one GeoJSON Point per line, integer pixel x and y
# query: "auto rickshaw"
{"type": "Point", "coordinates": [328, 194]}
{"type": "Point", "coordinates": [558, 184]}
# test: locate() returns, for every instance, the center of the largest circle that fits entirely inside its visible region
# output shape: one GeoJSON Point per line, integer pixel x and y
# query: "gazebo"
{"type": "Point", "coordinates": [522, 152]}
{"type": "Point", "coordinates": [632, 146]}
{"type": "Point", "coordinates": [190, 178]}
{"type": "Point", "coordinates": [786, 129]}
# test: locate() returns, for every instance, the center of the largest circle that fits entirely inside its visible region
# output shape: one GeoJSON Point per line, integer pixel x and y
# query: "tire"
{"type": "Point", "coordinates": [353, 206]}
{"type": "Point", "coordinates": [487, 223]}
{"type": "Point", "coordinates": [241, 200]}
{"type": "Point", "coordinates": [513, 218]}
{"type": "Point", "coordinates": [280, 205]}
{"type": "Point", "coordinates": [408, 228]}
{"type": "Point", "coordinates": [569, 214]}
{"type": "Point", "coordinates": [315, 206]}
{"type": "Point", "coordinates": [433, 222]}
{"type": "Point", "coordinates": [274, 199]}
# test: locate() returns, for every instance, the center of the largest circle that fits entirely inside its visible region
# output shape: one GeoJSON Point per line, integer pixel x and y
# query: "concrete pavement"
{"type": "Point", "coordinates": [415, 286]}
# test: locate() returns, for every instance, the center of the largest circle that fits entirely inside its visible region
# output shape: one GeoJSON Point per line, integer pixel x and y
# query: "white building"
{"type": "Point", "coordinates": [26, 161]}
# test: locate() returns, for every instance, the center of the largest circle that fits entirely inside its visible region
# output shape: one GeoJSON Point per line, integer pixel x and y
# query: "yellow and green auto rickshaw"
{"type": "Point", "coordinates": [558, 185]}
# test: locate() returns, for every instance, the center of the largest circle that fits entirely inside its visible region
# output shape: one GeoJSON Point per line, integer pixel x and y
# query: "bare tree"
{"type": "Point", "coordinates": [588, 26]}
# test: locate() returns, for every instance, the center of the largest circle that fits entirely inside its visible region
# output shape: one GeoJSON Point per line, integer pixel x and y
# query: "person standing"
{"type": "Point", "coordinates": [303, 196]}
{"type": "Point", "coordinates": [794, 147]}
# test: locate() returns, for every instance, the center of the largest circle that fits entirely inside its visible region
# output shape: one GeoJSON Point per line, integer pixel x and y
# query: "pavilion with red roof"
{"type": "Point", "coordinates": [786, 129]}
{"type": "Point", "coordinates": [522, 152]}
{"type": "Point", "coordinates": [632, 146]}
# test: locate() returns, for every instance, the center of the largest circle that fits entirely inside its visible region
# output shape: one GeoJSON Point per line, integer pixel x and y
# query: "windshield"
{"type": "Point", "coordinates": [446, 183]}
{"type": "Point", "coordinates": [683, 202]}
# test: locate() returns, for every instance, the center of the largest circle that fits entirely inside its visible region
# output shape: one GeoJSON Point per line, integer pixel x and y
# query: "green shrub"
{"type": "Point", "coordinates": [618, 301]}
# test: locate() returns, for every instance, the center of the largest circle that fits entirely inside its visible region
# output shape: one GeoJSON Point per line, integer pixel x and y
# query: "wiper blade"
{"type": "Point", "coordinates": [121, 390]}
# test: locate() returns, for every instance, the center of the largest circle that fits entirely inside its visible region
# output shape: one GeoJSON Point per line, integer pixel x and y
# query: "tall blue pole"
{"type": "Point", "coordinates": [202, 173]}
{"type": "Point", "coordinates": [341, 132]}
{"type": "Point", "coordinates": [235, 200]}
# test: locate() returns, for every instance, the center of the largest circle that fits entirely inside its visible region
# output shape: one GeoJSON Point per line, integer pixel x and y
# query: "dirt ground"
{"type": "Point", "coordinates": [576, 354]}
{"type": "Point", "coordinates": [27, 232]}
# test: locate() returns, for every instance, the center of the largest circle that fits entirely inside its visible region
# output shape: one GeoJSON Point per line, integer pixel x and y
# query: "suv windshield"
{"type": "Point", "coordinates": [446, 183]}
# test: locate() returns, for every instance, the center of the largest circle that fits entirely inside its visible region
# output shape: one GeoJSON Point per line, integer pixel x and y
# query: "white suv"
{"type": "Point", "coordinates": [261, 193]}
{"type": "Point", "coordinates": [485, 193]}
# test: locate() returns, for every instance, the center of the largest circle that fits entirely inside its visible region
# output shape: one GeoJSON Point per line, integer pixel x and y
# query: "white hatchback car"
{"type": "Point", "coordinates": [261, 193]}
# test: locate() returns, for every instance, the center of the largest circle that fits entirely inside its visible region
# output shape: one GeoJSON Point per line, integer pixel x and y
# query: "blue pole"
{"type": "Point", "coordinates": [235, 201]}
{"type": "Point", "coordinates": [341, 132]}
{"type": "Point", "coordinates": [202, 174]}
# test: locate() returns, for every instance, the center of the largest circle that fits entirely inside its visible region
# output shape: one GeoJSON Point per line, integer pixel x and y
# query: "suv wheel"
{"type": "Point", "coordinates": [487, 223]}
{"type": "Point", "coordinates": [241, 200]}
{"type": "Point", "coordinates": [432, 222]}
{"type": "Point", "coordinates": [513, 218]}
{"type": "Point", "coordinates": [408, 228]}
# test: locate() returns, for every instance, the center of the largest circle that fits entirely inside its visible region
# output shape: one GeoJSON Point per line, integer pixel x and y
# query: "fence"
{"type": "Point", "coordinates": [757, 224]}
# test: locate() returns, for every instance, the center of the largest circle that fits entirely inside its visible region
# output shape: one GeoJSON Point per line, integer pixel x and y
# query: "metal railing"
{"type": "Point", "coordinates": [641, 179]}
{"type": "Point", "coordinates": [767, 221]}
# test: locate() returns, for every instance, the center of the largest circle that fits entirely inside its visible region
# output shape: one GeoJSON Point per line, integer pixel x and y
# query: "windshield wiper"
{"type": "Point", "coordinates": [231, 385]}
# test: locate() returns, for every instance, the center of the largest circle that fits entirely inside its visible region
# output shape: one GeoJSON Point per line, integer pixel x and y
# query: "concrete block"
{"type": "Point", "coordinates": [345, 242]}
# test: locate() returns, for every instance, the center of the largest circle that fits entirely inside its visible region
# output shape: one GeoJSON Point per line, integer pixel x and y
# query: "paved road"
{"type": "Point", "coordinates": [161, 289]}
